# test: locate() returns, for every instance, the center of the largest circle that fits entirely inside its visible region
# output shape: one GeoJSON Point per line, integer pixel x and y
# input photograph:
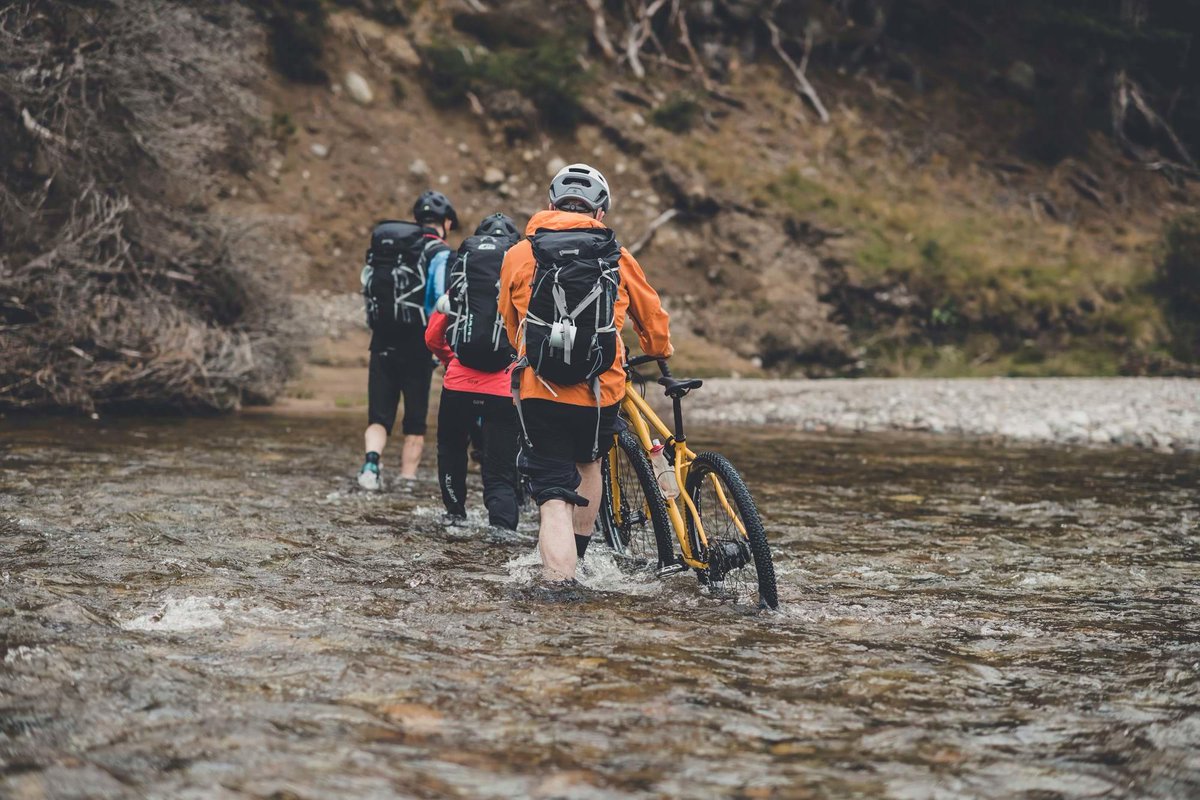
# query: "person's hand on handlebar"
{"type": "Point", "coordinates": [638, 361]}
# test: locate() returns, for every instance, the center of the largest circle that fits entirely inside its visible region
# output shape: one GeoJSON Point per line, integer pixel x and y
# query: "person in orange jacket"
{"type": "Point", "coordinates": [568, 428]}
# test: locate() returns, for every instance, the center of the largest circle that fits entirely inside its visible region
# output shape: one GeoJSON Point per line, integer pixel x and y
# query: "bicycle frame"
{"type": "Point", "coordinates": [642, 419]}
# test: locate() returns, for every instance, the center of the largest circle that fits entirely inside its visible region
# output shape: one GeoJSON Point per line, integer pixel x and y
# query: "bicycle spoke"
{"type": "Point", "coordinates": [738, 556]}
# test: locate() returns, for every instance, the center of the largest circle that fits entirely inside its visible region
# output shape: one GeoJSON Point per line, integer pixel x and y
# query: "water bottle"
{"type": "Point", "coordinates": [663, 471]}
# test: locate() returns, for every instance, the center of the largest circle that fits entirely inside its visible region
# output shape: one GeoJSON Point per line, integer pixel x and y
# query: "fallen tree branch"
{"type": "Point", "coordinates": [685, 39]}
{"type": "Point", "coordinates": [639, 32]}
{"type": "Point", "coordinates": [655, 224]}
{"type": "Point", "coordinates": [804, 86]}
{"type": "Point", "coordinates": [600, 29]}
{"type": "Point", "coordinates": [1126, 91]}
{"type": "Point", "coordinates": [41, 131]}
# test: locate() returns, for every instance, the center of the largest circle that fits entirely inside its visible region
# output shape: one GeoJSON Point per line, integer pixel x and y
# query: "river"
{"type": "Point", "coordinates": [208, 608]}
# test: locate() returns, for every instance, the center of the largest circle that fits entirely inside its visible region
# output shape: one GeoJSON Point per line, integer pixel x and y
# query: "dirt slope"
{"type": "Point", "coordinates": [905, 237]}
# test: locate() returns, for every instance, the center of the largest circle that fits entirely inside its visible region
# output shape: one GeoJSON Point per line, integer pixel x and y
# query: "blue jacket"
{"type": "Point", "coordinates": [435, 279]}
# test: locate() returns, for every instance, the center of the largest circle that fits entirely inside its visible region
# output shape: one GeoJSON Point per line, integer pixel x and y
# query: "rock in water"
{"type": "Point", "coordinates": [359, 89]}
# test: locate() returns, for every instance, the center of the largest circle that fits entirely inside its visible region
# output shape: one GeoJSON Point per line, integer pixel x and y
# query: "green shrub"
{"type": "Point", "coordinates": [678, 114]}
{"type": "Point", "coordinates": [498, 29]}
{"type": "Point", "coordinates": [1179, 284]}
{"type": "Point", "coordinates": [282, 126]}
{"type": "Point", "coordinates": [547, 74]}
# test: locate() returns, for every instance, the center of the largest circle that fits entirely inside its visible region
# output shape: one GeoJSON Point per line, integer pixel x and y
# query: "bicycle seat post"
{"type": "Point", "coordinates": [676, 402]}
{"type": "Point", "coordinates": [679, 434]}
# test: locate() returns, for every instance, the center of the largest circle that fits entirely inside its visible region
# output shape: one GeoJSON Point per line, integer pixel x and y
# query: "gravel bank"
{"type": "Point", "coordinates": [1159, 413]}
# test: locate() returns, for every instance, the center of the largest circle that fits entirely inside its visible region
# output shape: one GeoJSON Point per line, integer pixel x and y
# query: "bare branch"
{"type": "Point", "coordinates": [600, 29]}
{"type": "Point", "coordinates": [41, 131]}
{"type": "Point", "coordinates": [685, 39]}
{"type": "Point", "coordinates": [655, 224]}
{"type": "Point", "coordinates": [639, 32]}
{"type": "Point", "coordinates": [803, 85]}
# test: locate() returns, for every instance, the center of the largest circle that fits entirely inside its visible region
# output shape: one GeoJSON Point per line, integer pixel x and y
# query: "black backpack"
{"type": "Point", "coordinates": [476, 332]}
{"type": "Point", "coordinates": [394, 278]}
{"type": "Point", "coordinates": [570, 335]}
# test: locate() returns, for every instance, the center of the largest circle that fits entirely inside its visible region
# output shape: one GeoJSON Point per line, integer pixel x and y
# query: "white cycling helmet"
{"type": "Point", "coordinates": [583, 183]}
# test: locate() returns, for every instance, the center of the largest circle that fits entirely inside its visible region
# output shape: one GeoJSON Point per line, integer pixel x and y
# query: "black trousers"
{"type": "Point", "coordinates": [405, 370]}
{"type": "Point", "coordinates": [501, 431]}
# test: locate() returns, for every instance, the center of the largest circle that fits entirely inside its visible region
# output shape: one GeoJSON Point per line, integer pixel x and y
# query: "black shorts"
{"type": "Point", "coordinates": [562, 436]}
{"type": "Point", "coordinates": [394, 372]}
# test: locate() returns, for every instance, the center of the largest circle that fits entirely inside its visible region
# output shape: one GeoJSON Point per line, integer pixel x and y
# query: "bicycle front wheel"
{"type": "Point", "coordinates": [633, 515]}
{"type": "Point", "coordinates": [737, 553]}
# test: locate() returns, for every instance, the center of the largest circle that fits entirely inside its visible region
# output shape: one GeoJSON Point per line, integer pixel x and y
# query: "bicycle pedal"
{"type": "Point", "coordinates": [672, 569]}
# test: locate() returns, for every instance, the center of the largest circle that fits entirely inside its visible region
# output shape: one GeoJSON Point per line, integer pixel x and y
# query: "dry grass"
{"type": "Point", "coordinates": [119, 287]}
{"type": "Point", "coordinates": [985, 262]}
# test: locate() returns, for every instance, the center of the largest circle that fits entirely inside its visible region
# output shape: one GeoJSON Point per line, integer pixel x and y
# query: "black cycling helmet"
{"type": "Point", "coordinates": [499, 225]}
{"type": "Point", "coordinates": [579, 184]}
{"type": "Point", "coordinates": [433, 206]}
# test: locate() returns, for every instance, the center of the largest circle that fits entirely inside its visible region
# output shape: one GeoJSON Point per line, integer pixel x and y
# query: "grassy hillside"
{"type": "Point", "coordinates": [1004, 188]}
{"type": "Point", "coordinates": [924, 230]}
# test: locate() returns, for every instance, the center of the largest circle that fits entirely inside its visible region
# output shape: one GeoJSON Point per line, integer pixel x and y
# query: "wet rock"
{"type": "Point", "coordinates": [358, 88]}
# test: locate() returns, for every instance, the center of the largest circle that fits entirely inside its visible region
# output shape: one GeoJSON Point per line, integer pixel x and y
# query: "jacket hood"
{"type": "Point", "coordinates": [557, 220]}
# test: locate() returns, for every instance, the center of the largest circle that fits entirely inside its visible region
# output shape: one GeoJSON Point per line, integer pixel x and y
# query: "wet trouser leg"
{"type": "Point", "coordinates": [501, 484]}
{"type": "Point", "coordinates": [455, 417]}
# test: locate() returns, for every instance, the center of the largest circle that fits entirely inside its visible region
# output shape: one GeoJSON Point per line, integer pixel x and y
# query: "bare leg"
{"type": "Point", "coordinates": [556, 541]}
{"type": "Point", "coordinates": [585, 516]}
{"type": "Point", "coordinates": [375, 438]}
{"type": "Point", "coordinates": [410, 458]}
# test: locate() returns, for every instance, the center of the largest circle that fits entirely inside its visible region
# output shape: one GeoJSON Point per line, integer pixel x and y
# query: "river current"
{"type": "Point", "coordinates": [209, 608]}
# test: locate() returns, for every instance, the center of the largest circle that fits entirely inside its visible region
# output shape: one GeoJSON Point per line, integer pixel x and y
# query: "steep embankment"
{"type": "Point", "coordinates": [911, 235]}
{"type": "Point", "coordinates": [961, 211]}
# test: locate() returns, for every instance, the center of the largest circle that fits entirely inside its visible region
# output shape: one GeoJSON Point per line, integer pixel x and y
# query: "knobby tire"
{"type": "Point", "coordinates": [640, 527]}
{"type": "Point", "coordinates": [720, 528]}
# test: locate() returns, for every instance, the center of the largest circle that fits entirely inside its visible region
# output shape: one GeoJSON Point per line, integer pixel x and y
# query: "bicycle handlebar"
{"type": "Point", "coordinates": [638, 361]}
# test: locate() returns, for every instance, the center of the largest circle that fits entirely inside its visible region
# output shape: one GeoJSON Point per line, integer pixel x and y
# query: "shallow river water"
{"type": "Point", "coordinates": [208, 608]}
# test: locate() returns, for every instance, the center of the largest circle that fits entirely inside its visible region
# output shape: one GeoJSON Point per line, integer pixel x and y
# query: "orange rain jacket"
{"type": "Point", "coordinates": [635, 297]}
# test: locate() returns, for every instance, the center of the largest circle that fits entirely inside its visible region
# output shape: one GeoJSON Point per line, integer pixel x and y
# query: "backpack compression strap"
{"type": "Point", "coordinates": [560, 306]}
{"type": "Point", "coordinates": [405, 300]}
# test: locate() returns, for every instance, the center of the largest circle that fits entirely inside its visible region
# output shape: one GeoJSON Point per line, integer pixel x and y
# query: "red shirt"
{"type": "Point", "coordinates": [459, 377]}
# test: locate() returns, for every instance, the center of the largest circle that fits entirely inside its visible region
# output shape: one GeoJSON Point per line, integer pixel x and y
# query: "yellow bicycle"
{"type": "Point", "coordinates": [713, 520]}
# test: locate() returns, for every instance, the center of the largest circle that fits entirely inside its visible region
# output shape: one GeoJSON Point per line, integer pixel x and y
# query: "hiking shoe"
{"type": "Point", "coordinates": [369, 478]}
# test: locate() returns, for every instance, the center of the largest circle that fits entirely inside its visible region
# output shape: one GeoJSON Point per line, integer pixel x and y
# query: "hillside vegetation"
{"type": "Point", "coordinates": [826, 187]}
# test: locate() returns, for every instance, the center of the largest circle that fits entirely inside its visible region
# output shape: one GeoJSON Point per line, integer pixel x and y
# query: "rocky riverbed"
{"type": "Point", "coordinates": [1157, 413]}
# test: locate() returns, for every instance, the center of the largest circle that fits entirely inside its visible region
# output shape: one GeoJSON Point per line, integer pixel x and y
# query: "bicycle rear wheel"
{"type": "Point", "coordinates": [633, 515]}
{"type": "Point", "coordinates": [738, 563]}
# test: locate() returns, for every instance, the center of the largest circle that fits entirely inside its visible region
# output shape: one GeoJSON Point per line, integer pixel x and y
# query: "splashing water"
{"type": "Point", "coordinates": [209, 608]}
